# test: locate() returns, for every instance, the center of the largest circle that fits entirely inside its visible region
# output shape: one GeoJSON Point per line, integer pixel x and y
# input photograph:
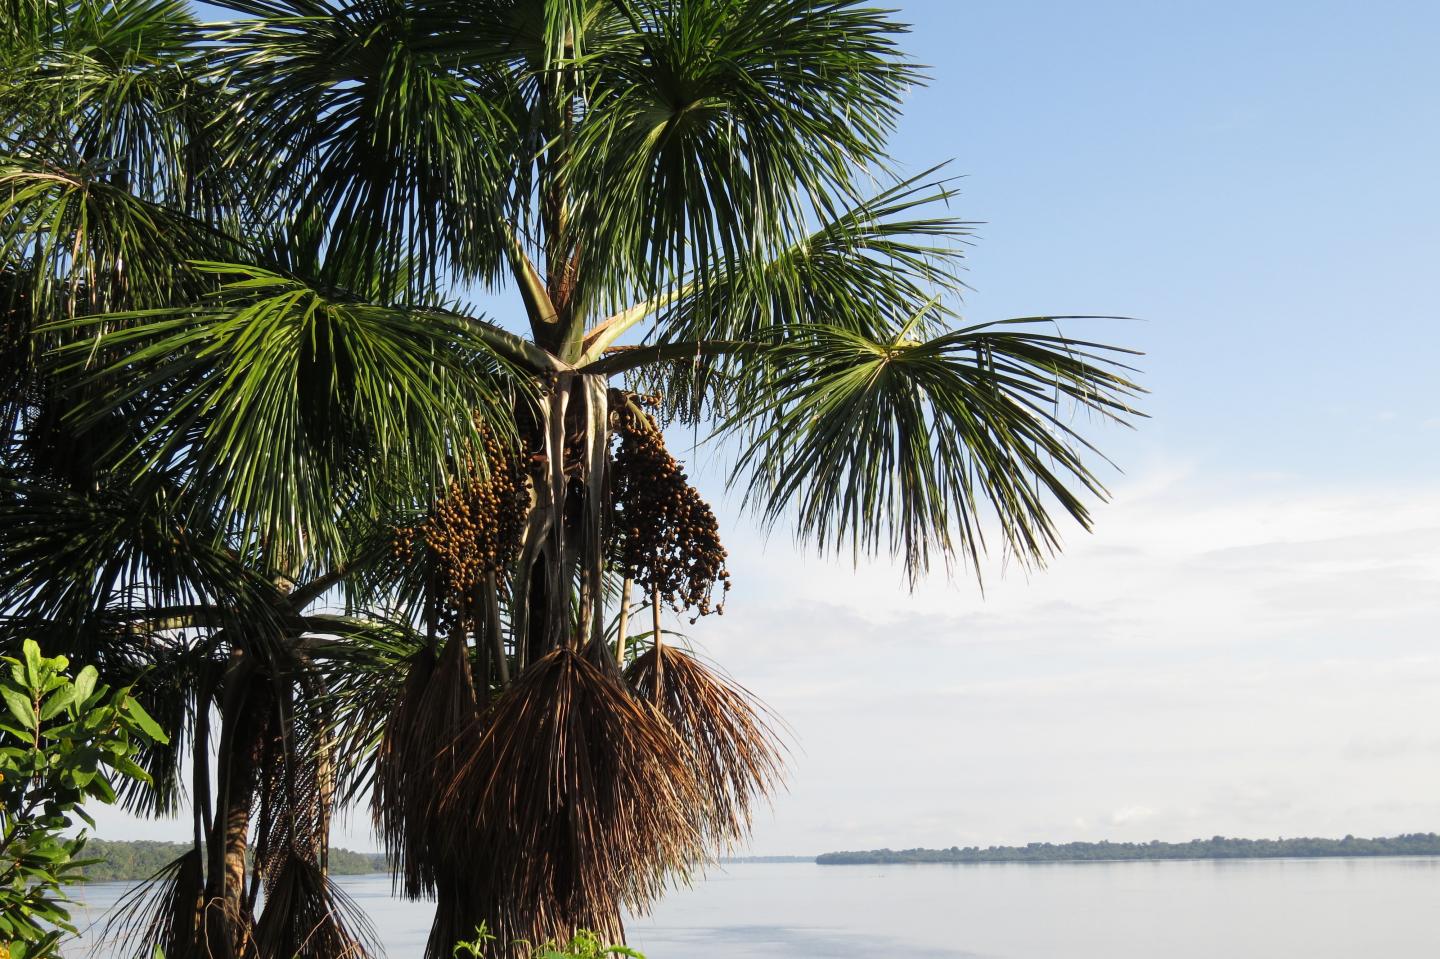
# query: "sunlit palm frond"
{"type": "Point", "coordinates": [905, 444]}
{"type": "Point", "coordinates": [886, 256]}
{"type": "Point", "coordinates": [85, 245]}
{"type": "Point", "coordinates": [714, 129]}
{"type": "Point", "coordinates": [112, 91]}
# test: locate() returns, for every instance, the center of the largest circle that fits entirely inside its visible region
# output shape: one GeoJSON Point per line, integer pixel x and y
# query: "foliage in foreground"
{"type": "Point", "coordinates": [583, 945]}
{"type": "Point", "coordinates": [64, 741]}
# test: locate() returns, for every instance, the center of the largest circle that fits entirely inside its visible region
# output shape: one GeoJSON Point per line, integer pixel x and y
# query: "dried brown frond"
{"type": "Point", "coordinates": [163, 911]}
{"type": "Point", "coordinates": [307, 916]}
{"type": "Point", "coordinates": [417, 759]}
{"type": "Point", "coordinates": [735, 752]}
{"type": "Point", "coordinates": [576, 798]}
{"type": "Point", "coordinates": [454, 921]}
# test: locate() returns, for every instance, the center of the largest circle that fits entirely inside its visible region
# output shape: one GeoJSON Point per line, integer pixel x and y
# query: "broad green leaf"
{"type": "Point", "coordinates": [125, 766]}
{"type": "Point", "coordinates": [33, 662]}
{"type": "Point", "coordinates": [20, 707]}
{"type": "Point", "coordinates": [147, 724]}
{"type": "Point", "coordinates": [57, 702]}
{"type": "Point", "coordinates": [85, 684]}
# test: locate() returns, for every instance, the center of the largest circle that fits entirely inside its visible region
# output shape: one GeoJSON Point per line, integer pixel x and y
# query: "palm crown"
{"type": "Point", "coordinates": [245, 390]}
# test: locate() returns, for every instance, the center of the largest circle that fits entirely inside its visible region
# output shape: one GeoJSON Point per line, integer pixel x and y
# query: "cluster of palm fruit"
{"type": "Point", "coordinates": [665, 536]}
{"type": "Point", "coordinates": [473, 531]}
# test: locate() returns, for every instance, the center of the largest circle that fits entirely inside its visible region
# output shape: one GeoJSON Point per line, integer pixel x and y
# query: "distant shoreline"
{"type": "Point", "coordinates": [1218, 847]}
{"type": "Point", "coordinates": [140, 859]}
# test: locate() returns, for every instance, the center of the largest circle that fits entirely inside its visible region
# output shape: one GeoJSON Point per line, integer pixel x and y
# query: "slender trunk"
{"type": "Point", "coordinates": [622, 628]}
{"type": "Point", "coordinates": [659, 658]}
{"type": "Point", "coordinates": [492, 629]}
{"type": "Point", "coordinates": [228, 921]}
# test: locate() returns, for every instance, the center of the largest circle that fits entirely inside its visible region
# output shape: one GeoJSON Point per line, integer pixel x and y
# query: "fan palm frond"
{"type": "Point", "coordinates": [713, 130]}
{"type": "Point", "coordinates": [108, 565]}
{"type": "Point", "coordinates": [377, 127]}
{"type": "Point", "coordinates": [286, 408]}
{"type": "Point", "coordinates": [83, 245]}
{"type": "Point", "coordinates": [887, 255]}
{"type": "Point", "coordinates": [902, 443]}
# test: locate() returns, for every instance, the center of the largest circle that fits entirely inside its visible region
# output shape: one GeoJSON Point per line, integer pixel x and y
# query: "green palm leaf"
{"type": "Point", "coordinates": [378, 127]}
{"type": "Point", "coordinates": [286, 409]}
{"type": "Point", "coordinates": [715, 128]}
{"type": "Point", "coordinates": [906, 445]}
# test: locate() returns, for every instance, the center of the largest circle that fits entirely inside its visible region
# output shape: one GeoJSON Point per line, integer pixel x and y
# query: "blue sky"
{"type": "Point", "coordinates": [1246, 644]}
{"type": "Point", "coordinates": [1255, 180]}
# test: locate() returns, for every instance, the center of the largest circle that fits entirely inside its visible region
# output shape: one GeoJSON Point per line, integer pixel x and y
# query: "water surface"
{"type": "Point", "coordinates": [1235, 909]}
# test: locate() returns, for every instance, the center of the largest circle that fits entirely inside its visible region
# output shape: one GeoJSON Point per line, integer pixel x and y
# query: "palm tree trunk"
{"type": "Point", "coordinates": [623, 626]}
{"type": "Point", "coordinates": [659, 653]}
{"type": "Point", "coordinates": [229, 922]}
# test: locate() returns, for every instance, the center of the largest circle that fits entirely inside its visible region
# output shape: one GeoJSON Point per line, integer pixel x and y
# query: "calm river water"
{"type": "Point", "coordinates": [1238, 909]}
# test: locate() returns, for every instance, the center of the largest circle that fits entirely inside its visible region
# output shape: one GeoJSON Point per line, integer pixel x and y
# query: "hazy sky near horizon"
{"type": "Point", "coordinates": [1246, 645]}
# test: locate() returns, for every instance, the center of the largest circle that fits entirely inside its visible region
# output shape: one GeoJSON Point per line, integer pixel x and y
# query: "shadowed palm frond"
{"type": "Point", "coordinates": [173, 674]}
{"type": "Point", "coordinates": [162, 912]}
{"type": "Point", "coordinates": [308, 916]}
{"type": "Point", "coordinates": [418, 757]}
{"type": "Point", "coordinates": [107, 564]}
{"type": "Point", "coordinates": [367, 666]}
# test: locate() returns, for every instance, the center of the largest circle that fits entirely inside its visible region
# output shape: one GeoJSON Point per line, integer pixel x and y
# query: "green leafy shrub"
{"type": "Point", "coordinates": [584, 945]}
{"type": "Point", "coordinates": [63, 742]}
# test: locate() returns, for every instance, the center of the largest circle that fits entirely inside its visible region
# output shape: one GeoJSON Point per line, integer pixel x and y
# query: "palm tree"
{"type": "Point", "coordinates": [264, 458]}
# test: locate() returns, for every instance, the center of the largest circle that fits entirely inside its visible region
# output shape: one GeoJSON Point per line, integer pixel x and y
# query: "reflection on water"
{"type": "Point", "coordinates": [1237, 909]}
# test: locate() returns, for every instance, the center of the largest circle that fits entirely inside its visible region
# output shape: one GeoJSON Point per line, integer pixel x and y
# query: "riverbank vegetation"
{"type": "Point", "coordinates": [1218, 847]}
{"type": "Point", "coordinates": [136, 860]}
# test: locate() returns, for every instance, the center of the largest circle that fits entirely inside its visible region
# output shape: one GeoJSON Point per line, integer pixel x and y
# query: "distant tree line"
{"type": "Point", "coordinates": [1217, 847]}
{"type": "Point", "coordinates": [141, 859]}
{"type": "Point", "coordinates": [765, 859]}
